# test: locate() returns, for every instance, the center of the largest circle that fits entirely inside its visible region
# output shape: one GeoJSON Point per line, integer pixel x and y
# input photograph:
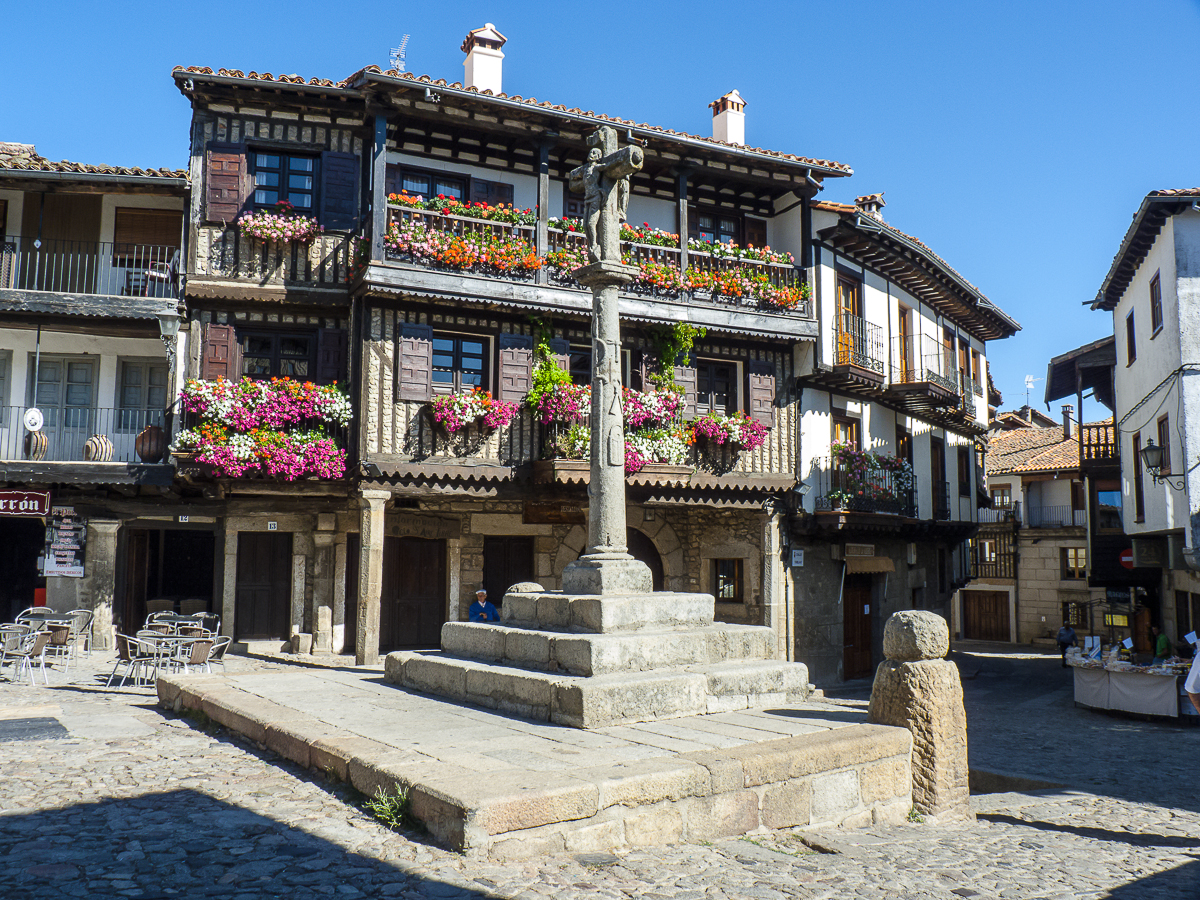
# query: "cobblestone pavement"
{"type": "Point", "coordinates": [103, 795]}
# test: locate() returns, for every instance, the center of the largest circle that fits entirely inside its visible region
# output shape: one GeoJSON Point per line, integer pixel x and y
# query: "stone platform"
{"type": "Point", "coordinates": [593, 661]}
{"type": "Point", "coordinates": [494, 785]}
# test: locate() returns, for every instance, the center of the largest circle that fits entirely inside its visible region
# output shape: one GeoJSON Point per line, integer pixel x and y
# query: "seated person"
{"type": "Point", "coordinates": [482, 609]}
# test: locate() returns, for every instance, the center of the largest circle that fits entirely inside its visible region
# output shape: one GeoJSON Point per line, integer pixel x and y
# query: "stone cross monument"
{"type": "Point", "coordinates": [606, 566]}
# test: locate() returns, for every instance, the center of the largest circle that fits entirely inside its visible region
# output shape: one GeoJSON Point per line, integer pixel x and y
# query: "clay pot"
{"type": "Point", "coordinates": [151, 444]}
{"type": "Point", "coordinates": [36, 444]}
{"type": "Point", "coordinates": [98, 448]}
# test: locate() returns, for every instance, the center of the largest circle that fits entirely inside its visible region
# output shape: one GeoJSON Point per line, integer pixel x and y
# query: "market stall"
{"type": "Point", "coordinates": [1117, 684]}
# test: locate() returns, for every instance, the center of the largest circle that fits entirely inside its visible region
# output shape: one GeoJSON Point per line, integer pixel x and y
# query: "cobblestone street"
{"type": "Point", "coordinates": [104, 795]}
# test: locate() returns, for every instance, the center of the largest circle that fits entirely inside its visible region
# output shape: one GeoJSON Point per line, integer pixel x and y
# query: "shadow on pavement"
{"type": "Point", "coordinates": [1132, 838]}
{"type": "Point", "coordinates": [186, 843]}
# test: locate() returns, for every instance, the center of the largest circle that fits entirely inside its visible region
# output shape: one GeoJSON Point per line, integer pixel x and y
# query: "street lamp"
{"type": "Point", "coordinates": [168, 330]}
{"type": "Point", "coordinates": [1152, 459]}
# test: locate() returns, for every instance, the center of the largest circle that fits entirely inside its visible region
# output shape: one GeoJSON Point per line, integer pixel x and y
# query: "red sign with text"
{"type": "Point", "coordinates": [24, 503]}
{"type": "Point", "coordinates": [1127, 558]}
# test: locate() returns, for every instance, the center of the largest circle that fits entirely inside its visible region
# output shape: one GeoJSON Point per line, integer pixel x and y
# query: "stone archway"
{"type": "Point", "coordinates": [661, 537]}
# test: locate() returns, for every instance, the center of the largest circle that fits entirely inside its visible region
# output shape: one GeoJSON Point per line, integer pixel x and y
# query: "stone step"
{"type": "Point", "coordinates": [590, 613]}
{"type": "Point", "coordinates": [600, 700]}
{"type": "Point", "coordinates": [605, 654]}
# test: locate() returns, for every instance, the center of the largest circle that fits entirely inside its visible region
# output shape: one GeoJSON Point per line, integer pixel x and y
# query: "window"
{"type": "Point", "coordinates": [716, 228]}
{"type": "Point", "coordinates": [427, 184]}
{"type": "Point", "coordinates": [849, 296]}
{"type": "Point", "coordinates": [1002, 496]}
{"type": "Point", "coordinates": [142, 396]}
{"type": "Point", "coordinates": [1164, 441]}
{"type": "Point", "coordinates": [964, 471]}
{"type": "Point", "coordinates": [977, 373]}
{"type": "Point", "coordinates": [716, 386]}
{"type": "Point", "coordinates": [1155, 305]}
{"type": "Point", "coordinates": [1139, 499]}
{"type": "Point", "coordinates": [274, 354]}
{"type": "Point", "coordinates": [65, 390]}
{"type": "Point", "coordinates": [727, 580]}
{"type": "Point", "coordinates": [1074, 614]}
{"type": "Point", "coordinates": [1130, 340]}
{"type": "Point", "coordinates": [1074, 562]}
{"type": "Point", "coordinates": [903, 444]}
{"type": "Point", "coordinates": [285, 176]}
{"type": "Point", "coordinates": [987, 550]}
{"type": "Point", "coordinates": [581, 363]}
{"type": "Point", "coordinates": [845, 431]}
{"type": "Point", "coordinates": [1108, 506]}
{"type": "Point", "coordinates": [146, 236]}
{"type": "Point", "coordinates": [460, 362]}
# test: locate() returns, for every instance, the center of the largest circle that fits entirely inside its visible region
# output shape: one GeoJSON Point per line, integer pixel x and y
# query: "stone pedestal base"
{"type": "Point", "coordinates": [601, 574]}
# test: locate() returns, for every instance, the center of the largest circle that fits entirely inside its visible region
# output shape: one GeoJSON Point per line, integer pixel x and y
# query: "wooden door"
{"type": "Point", "coordinates": [137, 580]}
{"type": "Point", "coordinates": [263, 596]}
{"type": "Point", "coordinates": [506, 561]}
{"type": "Point", "coordinates": [937, 478]}
{"type": "Point", "coordinates": [756, 232]}
{"type": "Point", "coordinates": [985, 615]}
{"type": "Point", "coordinates": [856, 626]}
{"type": "Point", "coordinates": [904, 354]}
{"type": "Point", "coordinates": [350, 623]}
{"type": "Point", "coordinates": [849, 312]}
{"type": "Point", "coordinates": [412, 604]}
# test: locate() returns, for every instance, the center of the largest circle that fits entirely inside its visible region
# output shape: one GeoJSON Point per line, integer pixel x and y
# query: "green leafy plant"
{"type": "Point", "coordinates": [392, 810]}
{"type": "Point", "coordinates": [670, 345]}
{"type": "Point", "coordinates": [547, 375]}
{"type": "Point", "coordinates": [915, 817]}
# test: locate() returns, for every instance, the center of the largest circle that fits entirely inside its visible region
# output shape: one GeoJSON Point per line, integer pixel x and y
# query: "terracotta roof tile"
{"type": "Point", "coordinates": [1031, 449]}
{"type": "Point", "coordinates": [831, 165]}
{"type": "Point", "coordinates": [25, 158]}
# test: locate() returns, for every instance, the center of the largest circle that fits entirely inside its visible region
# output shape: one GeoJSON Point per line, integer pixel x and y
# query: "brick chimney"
{"type": "Point", "coordinates": [1067, 412]}
{"type": "Point", "coordinates": [872, 205]}
{"type": "Point", "coordinates": [729, 118]}
{"type": "Point", "coordinates": [483, 67]}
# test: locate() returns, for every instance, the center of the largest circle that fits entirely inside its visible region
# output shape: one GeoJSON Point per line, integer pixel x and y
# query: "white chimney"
{"type": "Point", "coordinates": [729, 118]}
{"type": "Point", "coordinates": [872, 205]}
{"type": "Point", "coordinates": [485, 60]}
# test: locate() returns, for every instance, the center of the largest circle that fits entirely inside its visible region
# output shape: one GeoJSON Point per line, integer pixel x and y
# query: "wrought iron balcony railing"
{"type": "Point", "coordinates": [858, 343]}
{"type": "Point", "coordinates": [1055, 517]}
{"type": "Point", "coordinates": [85, 434]}
{"type": "Point", "coordinates": [83, 267]}
{"type": "Point", "coordinates": [875, 491]}
{"type": "Point", "coordinates": [941, 501]}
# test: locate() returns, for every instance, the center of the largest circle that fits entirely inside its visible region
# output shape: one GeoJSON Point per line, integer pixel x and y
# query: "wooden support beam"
{"type": "Point", "coordinates": [379, 186]}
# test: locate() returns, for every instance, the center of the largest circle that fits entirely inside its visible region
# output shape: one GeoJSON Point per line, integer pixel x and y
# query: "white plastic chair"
{"type": "Point", "coordinates": [33, 648]}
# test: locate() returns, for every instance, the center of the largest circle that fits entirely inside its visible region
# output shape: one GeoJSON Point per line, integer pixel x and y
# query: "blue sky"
{"type": "Point", "coordinates": [1015, 139]}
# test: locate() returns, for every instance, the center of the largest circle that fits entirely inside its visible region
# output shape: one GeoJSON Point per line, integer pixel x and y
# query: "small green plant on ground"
{"type": "Point", "coordinates": [914, 816]}
{"type": "Point", "coordinates": [392, 810]}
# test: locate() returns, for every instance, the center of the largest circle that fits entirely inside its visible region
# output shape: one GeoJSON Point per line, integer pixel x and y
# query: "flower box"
{"type": "Point", "coordinates": [579, 471]}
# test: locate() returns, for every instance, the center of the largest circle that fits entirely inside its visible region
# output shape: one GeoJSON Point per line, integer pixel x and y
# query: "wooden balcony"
{"type": "Point", "coordinates": [993, 555]}
{"type": "Point", "coordinates": [923, 381]}
{"type": "Point", "coordinates": [227, 264]}
{"type": "Point", "coordinates": [1098, 447]}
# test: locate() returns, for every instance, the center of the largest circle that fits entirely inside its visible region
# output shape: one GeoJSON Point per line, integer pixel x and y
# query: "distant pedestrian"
{"type": "Point", "coordinates": [1162, 646]}
{"type": "Point", "coordinates": [482, 609]}
{"type": "Point", "coordinates": [1066, 640]}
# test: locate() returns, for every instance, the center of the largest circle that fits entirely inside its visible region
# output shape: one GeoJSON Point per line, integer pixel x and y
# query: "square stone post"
{"type": "Point", "coordinates": [323, 595]}
{"type": "Point", "coordinates": [229, 582]}
{"type": "Point", "coordinates": [773, 588]}
{"type": "Point", "coordinates": [370, 575]}
{"type": "Point", "coordinates": [339, 594]}
{"type": "Point", "coordinates": [99, 584]}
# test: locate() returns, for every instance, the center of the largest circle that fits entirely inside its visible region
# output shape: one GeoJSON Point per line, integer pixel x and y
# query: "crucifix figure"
{"type": "Point", "coordinates": [606, 566]}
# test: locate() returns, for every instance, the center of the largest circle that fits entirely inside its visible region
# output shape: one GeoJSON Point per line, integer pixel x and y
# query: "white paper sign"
{"type": "Point", "coordinates": [798, 558]}
{"type": "Point", "coordinates": [1190, 637]}
{"type": "Point", "coordinates": [1127, 643]}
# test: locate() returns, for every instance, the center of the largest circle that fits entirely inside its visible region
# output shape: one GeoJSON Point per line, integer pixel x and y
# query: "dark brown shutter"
{"type": "Point", "coordinates": [516, 366]}
{"type": "Point", "coordinates": [136, 231]}
{"type": "Point", "coordinates": [339, 191]}
{"type": "Point", "coordinates": [490, 192]}
{"type": "Point", "coordinates": [760, 391]}
{"type": "Point", "coordinates": [224, 182]}
{"type": "Point", "coordinates": [415, 363]}
{"type": "Point", "coordinates": [331, 354]}
{"type": "Point", "coordinates": [649, 362]}
{"type": "Point", "coordinates": [562, 353]}
{"type": "Point", "coordinates": [756, 232]}
{"type": "Point", "coordinates": [685, 377]}
{"type": "Point", "coordinates": [221, 357]}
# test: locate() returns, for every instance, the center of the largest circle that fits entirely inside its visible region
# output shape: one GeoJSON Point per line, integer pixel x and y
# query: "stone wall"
{"type": "Point", "coordinates": [1041, 589]}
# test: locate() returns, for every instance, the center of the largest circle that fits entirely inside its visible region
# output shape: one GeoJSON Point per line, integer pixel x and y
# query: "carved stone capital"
{"type": "Point", "coordinates": [604, 273]}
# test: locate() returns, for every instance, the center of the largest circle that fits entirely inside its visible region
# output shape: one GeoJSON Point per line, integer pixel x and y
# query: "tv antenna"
{"type": "Point", "coordinates": [397, 54]}
{"type": "Point", "coordinates": [1029, 380]}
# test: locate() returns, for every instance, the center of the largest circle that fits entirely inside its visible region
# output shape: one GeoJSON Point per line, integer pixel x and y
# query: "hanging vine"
{"type": "Point", "coordinates": [670, 345]}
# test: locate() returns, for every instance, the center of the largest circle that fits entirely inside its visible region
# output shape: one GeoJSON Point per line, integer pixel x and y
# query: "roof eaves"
{"type": "Point", "coordinates": [1171, 196]}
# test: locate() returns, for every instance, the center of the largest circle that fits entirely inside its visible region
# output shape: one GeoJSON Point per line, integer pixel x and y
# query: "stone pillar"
{"type": "Point", "coordinates": [229, 583]}
{"type": "Point", "coordinates": [773, 579]}
{"type": "Point", "coordinates": [456, 610]}
{"type": "Point", "coordinates": [322, 602]}
{"type": "Point", "coordinates": [338, 643]}
{"type": "Point", "coordinates": [370, 576]}
{"type": "Point", "coordinates": [99, 585]}
{"type": "Point", "coordinates": [919, 690]}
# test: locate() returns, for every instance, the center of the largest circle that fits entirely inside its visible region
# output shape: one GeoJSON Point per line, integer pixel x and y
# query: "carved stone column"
{"type": "Point", "coordinates": [99, 584]}
{"type": "Point", "coordinates": [606, 567]}
{"type": "Point", "coordinates": [370, 575]}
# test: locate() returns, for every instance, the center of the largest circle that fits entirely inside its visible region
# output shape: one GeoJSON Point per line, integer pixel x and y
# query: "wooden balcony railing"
{"type": "Point", "coordinates": [993, 555]}
{"type": "Point", "coordinates": [224, 252]}
{"type": "Point", "coordinates": [1098, 445]}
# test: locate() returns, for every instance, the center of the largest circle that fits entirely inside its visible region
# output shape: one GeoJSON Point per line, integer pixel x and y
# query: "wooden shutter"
{"type": "Point", "coordinates": [562, 353]}
{"type": "Point", "coordinates": [224, 182]}
{"type": "Point", "coordinates": [145, 228]}
{"type": "Point", "coordinates": [685, 377]}
{"type": "Point", "coordinates": [331, 354]}
{"type": "Point", "coordinates": [490, 192]}
{"type": "Point", "coordinates": [516, 366]}
{"type": "Point", "coordinates": [415, 363]}
{"type": "Point", "coordinates": [393, 181]}
{"type": "Point", "coordinates": [339, 191]}
{"type": "Point", "coordinates": [756, 232]}
{"type": "Point", "coordinates": [760, 391]}
{"type": "Point", "coordinates": [221, 357]}
{"type": "Point", "coordinates": [646, 367]}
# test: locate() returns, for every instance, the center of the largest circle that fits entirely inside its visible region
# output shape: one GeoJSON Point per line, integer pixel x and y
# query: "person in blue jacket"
{"type": "Point", "coordinates": [482, 609]}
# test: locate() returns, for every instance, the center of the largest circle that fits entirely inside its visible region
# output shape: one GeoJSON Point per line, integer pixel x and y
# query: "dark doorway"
{"type": "Point", "coordinates": [22, 541]}
{"type": "Point", "coordinates": [506, 561]}
{"type": "Point", "coordinates": [167, 564]}
{"type": "Point", "coordinates": [641, 547]}
{"type": "Point", "coordinates": [412, 603]}
{"type": "Point", "coordinates": [264, 586]}
{"type": "Point", "coordinates": [856, 626]}
{"type": "Point", "coordinates": [351, 621]}
{"type": "Point", "coordinates": [985, 615]}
